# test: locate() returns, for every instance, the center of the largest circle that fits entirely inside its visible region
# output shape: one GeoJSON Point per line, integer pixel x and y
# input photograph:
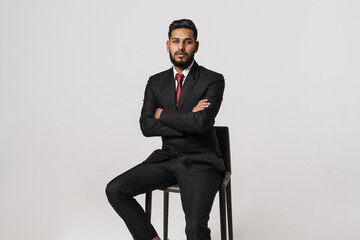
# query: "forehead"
{"type": "Point", "coordinates": [182, 33]}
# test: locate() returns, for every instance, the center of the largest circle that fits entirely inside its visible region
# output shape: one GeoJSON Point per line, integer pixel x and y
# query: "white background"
{"type": "Point", "coordinates": [72, 78]}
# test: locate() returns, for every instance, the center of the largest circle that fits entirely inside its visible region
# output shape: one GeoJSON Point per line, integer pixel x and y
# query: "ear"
{"type": "Point", "coordinates": [167, 46]}
{"type": "Point", "coordinates": [196, 46]}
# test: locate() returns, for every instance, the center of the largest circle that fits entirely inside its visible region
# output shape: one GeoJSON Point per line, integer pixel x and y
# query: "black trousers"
{"type": "Point", "coordinates": [198, 190]}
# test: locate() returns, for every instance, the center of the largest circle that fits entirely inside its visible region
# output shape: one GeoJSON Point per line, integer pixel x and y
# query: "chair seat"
{"type": "Point", "coordinates": [176, 189]}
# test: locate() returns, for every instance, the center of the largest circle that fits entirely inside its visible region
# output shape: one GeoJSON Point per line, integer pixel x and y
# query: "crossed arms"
{"type": "Point", "coordinates": [155, 121]}
{"type": "Point", "coordinates": [202, 104]}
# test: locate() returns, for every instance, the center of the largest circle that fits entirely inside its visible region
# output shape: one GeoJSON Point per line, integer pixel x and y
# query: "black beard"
{"type": "Point", "coordinates": [180, 64]}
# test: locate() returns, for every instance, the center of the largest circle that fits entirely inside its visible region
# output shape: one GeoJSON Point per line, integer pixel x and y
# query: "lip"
{"type": "Point", "coordinates": [181, 54]}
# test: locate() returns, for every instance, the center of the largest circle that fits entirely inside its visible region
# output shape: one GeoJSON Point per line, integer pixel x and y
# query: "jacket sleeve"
{"type": "Point", "coordinates": [198, 122]}
{"type": "Point", "coordinates": [148, 124]}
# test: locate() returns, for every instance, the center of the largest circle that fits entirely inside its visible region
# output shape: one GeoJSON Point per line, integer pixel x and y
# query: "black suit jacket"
{"type": "Point", "coordinates": [187, 135]}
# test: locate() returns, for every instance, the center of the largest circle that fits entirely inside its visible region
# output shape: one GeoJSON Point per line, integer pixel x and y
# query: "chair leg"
{"type": "Point", "coordinates": [148, 197]}
{"type": "Point", "coordinates": [222, 212]}
{"type": "Point", "coordinates": [166, 214]}
{"type": "Point", "coordinates": [229, 210]}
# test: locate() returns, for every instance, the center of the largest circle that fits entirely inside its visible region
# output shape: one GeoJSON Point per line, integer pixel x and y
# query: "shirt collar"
{"type": "Point", "coordinates": [185, 72]}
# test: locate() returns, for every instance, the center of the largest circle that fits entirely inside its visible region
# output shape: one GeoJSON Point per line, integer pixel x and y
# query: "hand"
{"type": "Point", "coordinates": [202, 104]}
{"type": "Point", "coordinates": [157, 113]}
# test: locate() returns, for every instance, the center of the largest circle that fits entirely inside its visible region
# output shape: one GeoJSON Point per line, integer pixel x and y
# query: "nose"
{"type": "Point", "coordinates": [181, 46]}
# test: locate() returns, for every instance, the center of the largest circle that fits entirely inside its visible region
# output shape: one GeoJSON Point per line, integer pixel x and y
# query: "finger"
{"type": "Point", "coordinates": [204, 105]}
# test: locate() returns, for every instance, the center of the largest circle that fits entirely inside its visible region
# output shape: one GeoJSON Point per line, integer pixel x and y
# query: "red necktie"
{"type": "Point", "coordinates": [179, 78]}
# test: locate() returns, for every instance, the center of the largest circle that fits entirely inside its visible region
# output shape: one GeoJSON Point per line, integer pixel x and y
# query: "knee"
{"type": "Point", "coordinates": [196, 226]}
{"type": "Point", "coordinates": [117, 189]}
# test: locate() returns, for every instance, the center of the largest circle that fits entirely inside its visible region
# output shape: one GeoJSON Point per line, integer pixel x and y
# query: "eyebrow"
{"type": "Point", "coordinates": [184, 39]}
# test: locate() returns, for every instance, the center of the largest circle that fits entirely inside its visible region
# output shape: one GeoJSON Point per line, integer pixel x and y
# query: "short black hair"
{"type": "Point", "coordinates": [183, 23]}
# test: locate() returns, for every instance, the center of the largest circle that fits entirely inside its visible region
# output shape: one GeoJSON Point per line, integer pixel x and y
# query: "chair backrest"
{"type": "Point", "coordinates": [222, 134]}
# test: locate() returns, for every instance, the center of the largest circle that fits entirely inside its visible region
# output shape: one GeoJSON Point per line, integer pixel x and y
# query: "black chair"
{"type": "Point", "coordinates": [224, 190]}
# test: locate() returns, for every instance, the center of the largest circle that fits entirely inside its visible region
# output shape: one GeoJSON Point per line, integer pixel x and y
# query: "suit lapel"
{"type": "Point", "coordinates": [169, 92]}
{"type": "Point", "coordinates": [190, 81]}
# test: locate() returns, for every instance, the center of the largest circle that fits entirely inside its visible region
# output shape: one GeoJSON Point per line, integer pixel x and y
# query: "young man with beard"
{"type": "Point", "coordinates": [180, 105]}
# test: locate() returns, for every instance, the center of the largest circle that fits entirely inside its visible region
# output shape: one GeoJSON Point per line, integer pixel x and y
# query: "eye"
{"type": "Point", "coordinates": [175, 41]}
{"type": "Point", "coordinates": [188, 42]}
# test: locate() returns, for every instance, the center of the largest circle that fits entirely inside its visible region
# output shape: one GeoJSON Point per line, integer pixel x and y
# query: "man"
{"type": "Point", "coordinates": [180, 105]}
